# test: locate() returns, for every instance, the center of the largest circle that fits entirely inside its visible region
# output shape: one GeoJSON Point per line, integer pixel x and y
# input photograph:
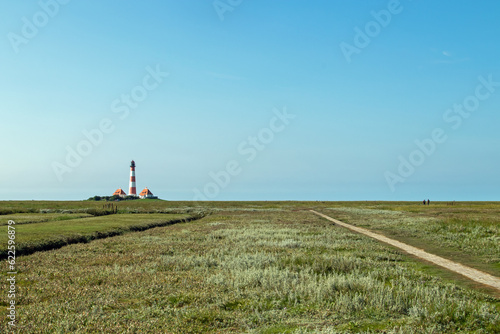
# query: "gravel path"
{"type": "Point", "coordinates": [473, 274]}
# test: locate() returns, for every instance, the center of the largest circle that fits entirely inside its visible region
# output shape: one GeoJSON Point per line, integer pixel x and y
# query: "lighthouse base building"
{"type": "Point", "coordinates": [146, 193]}
{"type": "Point", "coordinates": [120, 192]}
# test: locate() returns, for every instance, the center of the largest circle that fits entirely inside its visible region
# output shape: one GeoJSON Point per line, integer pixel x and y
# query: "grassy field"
{"type": "Point", "coordinates": [29, 218]}
{"type": "Point", "coordinates": [56, 233]}
{"type": "Point", "coordinates": [465, 232]}
{"type": "Point", "coordinates": [258, 267]}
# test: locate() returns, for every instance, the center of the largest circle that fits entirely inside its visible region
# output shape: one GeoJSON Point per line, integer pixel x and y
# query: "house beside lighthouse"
{"type": "Point", "coordinates": [119, 192]}
{"type": "Point", "coordinates": [146, 193]}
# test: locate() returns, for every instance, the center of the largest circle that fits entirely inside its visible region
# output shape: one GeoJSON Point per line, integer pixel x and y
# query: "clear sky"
{"type": "Point", "coordinates": [244, 100]}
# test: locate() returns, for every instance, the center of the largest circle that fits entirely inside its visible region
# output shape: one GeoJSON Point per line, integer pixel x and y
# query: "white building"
{"type": "Point", "coordinates": [146, 193]}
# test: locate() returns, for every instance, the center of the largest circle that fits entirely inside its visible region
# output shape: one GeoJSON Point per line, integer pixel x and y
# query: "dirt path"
{"type": "Point", "coordinates": [468, 272]}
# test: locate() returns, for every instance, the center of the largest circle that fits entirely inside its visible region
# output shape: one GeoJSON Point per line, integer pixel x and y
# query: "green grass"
{"type": "Point", "coordinates": [466, 232]}
{"type": "Point", "coordinates": [137, 206]}
{"type": "Point", "coordinates": [29, 218]}
{"type": "Point", "coordinates": [57, 233]}
{"type": "Point", "coordinates": [247, 267]}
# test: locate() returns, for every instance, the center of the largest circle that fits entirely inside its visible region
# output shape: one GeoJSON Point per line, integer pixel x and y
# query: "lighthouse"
{"type": "Point", "coordinates": [132, 191]}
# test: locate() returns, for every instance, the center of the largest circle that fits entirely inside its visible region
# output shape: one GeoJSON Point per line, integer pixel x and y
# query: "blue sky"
{"type": "Point", "coordinates": [353, 119]}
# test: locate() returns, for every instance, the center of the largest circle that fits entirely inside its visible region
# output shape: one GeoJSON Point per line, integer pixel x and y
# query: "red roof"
{"type": "Point", "coordinates": [145, 192]}
{"type": "Point", "coordinates": [119, 192]}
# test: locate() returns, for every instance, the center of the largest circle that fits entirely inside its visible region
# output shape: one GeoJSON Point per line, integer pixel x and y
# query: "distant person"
{"type": "Point", "coordinates": [423, 201]}
{"type": "Point", "coordinates": [428, 202]}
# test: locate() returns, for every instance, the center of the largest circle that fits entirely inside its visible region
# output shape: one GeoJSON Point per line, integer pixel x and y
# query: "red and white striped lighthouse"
{"type": "Point", "coordinates": [131, 189]}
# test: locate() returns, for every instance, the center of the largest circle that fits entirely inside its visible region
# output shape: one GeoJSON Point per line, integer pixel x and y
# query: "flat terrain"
{"type": "Point", "coordinates": [470, 273]}
{"type": "Point", "coordinates": [39, 236]}
{"type": "Point", "coordinates": [263, 267]}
